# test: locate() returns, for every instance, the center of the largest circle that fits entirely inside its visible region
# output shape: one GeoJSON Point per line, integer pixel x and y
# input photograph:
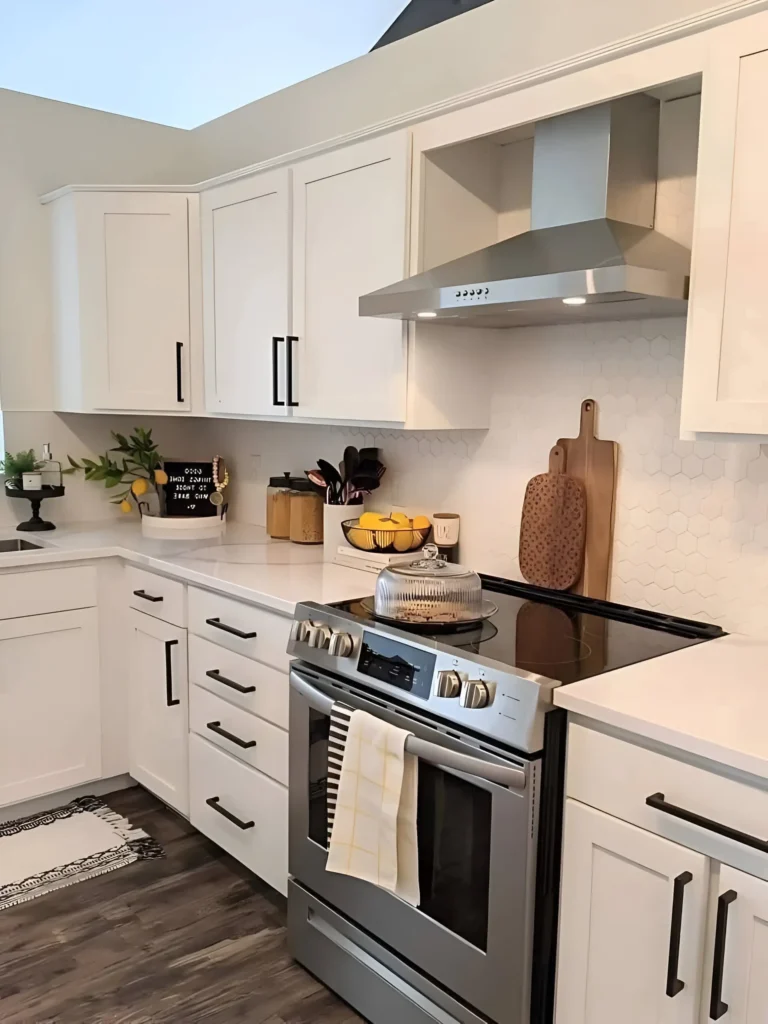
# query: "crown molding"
{"type": "Point", "coordinates": [673, 30]}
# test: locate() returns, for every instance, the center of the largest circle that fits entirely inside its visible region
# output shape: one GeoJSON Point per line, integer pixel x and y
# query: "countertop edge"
{"type": "Point", "coordinates": [675, 739]}
{"type": "Point", "coordinates": [52, 555]}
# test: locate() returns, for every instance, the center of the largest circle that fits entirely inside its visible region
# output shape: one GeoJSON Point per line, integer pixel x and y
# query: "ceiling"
{"type": "Point", "coordinates": [179, 62]}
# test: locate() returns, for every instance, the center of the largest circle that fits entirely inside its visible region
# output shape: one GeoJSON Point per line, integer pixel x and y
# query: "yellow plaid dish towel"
{"type": "Point", "coordinates": [374, 828]}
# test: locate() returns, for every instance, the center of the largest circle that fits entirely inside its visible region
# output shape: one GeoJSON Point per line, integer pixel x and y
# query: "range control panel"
{"type": "Point", "coordinates": [487, 697]}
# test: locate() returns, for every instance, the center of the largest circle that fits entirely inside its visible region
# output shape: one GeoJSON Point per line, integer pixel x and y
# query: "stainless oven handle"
{"type": "Point", "coordinates": [433, 753]}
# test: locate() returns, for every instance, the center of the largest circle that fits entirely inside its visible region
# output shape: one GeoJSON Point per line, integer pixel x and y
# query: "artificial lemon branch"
{"type": "Point", "coordinates": [139, 469]}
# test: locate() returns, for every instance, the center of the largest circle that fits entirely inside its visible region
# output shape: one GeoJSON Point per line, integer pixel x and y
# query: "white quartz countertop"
{"type": "Point", "coordinates": [710, 700]}
{"type": "Point", "coordinates": [245, 563]}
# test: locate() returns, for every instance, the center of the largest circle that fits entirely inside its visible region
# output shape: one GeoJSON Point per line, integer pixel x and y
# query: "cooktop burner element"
{"type": "Point", "coordinates": [502, 671]}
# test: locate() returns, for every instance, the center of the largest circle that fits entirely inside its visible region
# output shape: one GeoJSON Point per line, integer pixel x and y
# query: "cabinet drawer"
{"type": "Point", "coordinates": [250, 797]}
{"type": "Point", "coordinates": [47, 590]}
{"type": "Point", "coordinates": [243, 628]}
{"type": "Point", "coordinates": [251, 739]}
{"type": "Point", "coordinates": [156, 596]}
{"type": "Point", "coordinates": [250, 685]}
{"type": "Point", "coordinates": [617, 777]}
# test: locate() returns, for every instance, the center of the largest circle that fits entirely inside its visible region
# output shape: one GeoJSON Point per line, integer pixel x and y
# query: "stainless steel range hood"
{"type": "Point", "coordinates": [591, 253]}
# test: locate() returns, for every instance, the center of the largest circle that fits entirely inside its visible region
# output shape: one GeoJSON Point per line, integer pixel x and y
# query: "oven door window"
{"type": "Point", "coordinates": [454, 832]}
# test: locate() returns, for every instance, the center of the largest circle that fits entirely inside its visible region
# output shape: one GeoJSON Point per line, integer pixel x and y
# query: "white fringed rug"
{"type": "Point", "coordinates": [53, 849]}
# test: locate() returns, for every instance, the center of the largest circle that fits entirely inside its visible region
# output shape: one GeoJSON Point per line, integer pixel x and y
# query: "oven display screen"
{"type": "Point", "coordinates": [408, 668]}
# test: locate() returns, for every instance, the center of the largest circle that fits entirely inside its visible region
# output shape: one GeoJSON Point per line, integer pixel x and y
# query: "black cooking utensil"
{"type": "Point", "coordinates": [333, 479]}
{"type": "Point", "coordinates": [351, 462]}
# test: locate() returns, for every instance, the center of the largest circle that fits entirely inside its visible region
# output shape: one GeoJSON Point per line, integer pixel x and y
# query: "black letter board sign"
{"type": "Point", "coordinates": [189, 487]}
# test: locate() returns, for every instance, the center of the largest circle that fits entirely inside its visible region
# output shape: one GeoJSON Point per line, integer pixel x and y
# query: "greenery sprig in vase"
{"type": "Point", "coordinates": [137, 469]}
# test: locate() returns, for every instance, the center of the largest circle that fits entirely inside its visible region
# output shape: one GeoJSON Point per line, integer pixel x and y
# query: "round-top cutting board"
{"type": "Point", "coordinates": [553, 527]}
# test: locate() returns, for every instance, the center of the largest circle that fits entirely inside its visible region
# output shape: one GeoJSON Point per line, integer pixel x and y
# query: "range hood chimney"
{"type": "Point", "coordinates": [591, 253]}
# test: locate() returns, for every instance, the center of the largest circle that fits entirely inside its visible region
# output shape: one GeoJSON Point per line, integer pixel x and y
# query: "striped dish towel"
{"type": "Point", "coordinates": [372, 800]}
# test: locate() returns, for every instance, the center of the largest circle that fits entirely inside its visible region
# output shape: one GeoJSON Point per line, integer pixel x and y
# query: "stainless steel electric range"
{"type": "Point", "coordinates": [481, 945]}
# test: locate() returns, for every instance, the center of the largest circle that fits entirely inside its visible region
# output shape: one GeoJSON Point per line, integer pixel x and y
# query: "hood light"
{"type": "Point", "coordinates": [575, 300]}
{"type": "Point", "coordinates": [426, 315]}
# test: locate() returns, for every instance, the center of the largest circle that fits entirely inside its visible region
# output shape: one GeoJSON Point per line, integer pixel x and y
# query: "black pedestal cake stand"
{"type": "Point", "coordinates": [35, 524]}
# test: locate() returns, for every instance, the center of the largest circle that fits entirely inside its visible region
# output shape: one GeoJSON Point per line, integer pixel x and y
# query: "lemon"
{"type": "Point", "coordinates": [384, 538]}
{"type": "Point", "coordinates": [125, 505]}
{"type": "Point", "coordinates": [139, 487]}
{"type": "Point", "coordinates": [369, 521]}
{"type": "Point", "coordinates": [161, 477]}
{"type": "Point", "coordinates": [362, 539]}
{"type": "Point", "coordinates": [401, 519]}
{"type": "Point", "coordinates": [403, 540]}
{"type": "Point", "coordinates": [421, 523]}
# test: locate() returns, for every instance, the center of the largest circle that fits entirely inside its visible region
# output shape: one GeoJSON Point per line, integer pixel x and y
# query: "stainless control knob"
{"type": "Point", "coordinates": [300, 630]}
{"type": "Point", "coordinates": [341, 645]}
{"type": "Point", "coordinates": [447, 684]}
{"type": "Point", "coordinates": [319, 636]}
{"type": "Point", "coordinates": [475, 694]}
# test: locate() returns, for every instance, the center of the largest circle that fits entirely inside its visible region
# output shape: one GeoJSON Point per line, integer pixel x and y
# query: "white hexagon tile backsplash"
{"type": "Point", "coordinates": [691, 532]}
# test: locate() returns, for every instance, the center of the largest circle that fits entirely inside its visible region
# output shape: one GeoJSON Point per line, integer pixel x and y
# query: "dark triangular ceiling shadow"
{"type": "Point", "coordinates": [421, 14]}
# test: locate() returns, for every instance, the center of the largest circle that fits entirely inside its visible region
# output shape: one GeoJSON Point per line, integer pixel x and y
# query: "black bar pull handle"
{"type": "Point", "coordinates": [275, 372]}
{"type": "Point", "coordinates": [289, 369]}
{"type": "Point", "coordinates": [218, 624]}
{"type": "Point", "coordinates": [169, 699]}
{"type": "Point", "coordinates": [215, 674]}
{"type": "Point", "coordinates": [658, 802]}
{"type": "Point", "coordinates": [213, 802]}
{"type": "Point", "coordinates": [717, 1008]}
{"type": "Point", "coordinates": [216, 727]}
{"type": "Point", "coordinates": [674, 985]}
{"type": "Point", "coordinates": [179, 385]}
{"type": "Point", "coordinates": [146, 597]}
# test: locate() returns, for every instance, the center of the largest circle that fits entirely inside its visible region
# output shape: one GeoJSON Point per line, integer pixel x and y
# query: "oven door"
{"type": "Point", "coordinates": [477, 830]}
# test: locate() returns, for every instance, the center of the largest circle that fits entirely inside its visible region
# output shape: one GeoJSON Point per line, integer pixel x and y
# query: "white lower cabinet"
{"type": "Point", "coordinates": [742, 912]}
{"type": "Point", "coordinates": [619, 921]}
{"type": "Point", "coordinates": [654, 933]}
{"type": "Point", "coordinates": [241, 809]}
{"type": "Point", "coordinates": [50, 725]}
{"type": "Point", "coordinates": [158, 725]}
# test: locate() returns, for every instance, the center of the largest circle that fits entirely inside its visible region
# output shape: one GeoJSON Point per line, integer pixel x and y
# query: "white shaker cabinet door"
{"type": "Point", "coordinates": [50, 724]}
{"type": "Point", "coordinates": [632, 918]}
{"type": "Point", "coordinates": [159, 715]}
{"type": "Point", "coordinates": [350, 217]}
{"type": "Point", "coordinates": [738, 990]}
{"type": "Point", "coordinates": [246, 294]}
{"type": "Point", "coordinates": [134, 299]}
{"type": "Point", "coordinates": [725, 381]}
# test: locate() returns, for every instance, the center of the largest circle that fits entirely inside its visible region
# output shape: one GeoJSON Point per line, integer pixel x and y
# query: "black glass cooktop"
{"type": "Point", "coordinates": [562, 636]}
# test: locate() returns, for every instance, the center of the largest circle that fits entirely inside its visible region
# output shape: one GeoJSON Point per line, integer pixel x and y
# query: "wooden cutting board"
{"type": "Point", "coordinates": [594, 463]}
{"type": "Point", "coordinates": [553, 527]}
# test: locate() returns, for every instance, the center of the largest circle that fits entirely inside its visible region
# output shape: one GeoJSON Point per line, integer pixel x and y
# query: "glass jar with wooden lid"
{"type": "Point", "coordinates": [306, 524]}
{"type": "Point", "coordinates": [279, 507]}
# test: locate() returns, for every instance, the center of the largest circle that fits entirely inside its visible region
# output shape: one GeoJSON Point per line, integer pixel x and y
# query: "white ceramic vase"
{"type": "Point", "coordinates": [333, 535]}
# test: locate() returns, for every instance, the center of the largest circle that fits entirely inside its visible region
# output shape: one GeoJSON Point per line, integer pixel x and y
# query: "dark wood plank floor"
{"type": "Point", "coordinates": [191, 937]}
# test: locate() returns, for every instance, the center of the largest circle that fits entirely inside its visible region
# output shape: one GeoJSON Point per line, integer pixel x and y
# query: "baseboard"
{"type": "Point", "coordinates": [46, 803]}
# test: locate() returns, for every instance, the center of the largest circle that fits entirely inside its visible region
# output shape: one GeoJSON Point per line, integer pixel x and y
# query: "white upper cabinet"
{"type": "Point", "coordinates": [246, 294]}
{"type": "Point", "coordinates": [725, 384]}
{"type": "Point", "coordinates": [121, 302]}
{"type": "Point", "coordinates": [350, 231]}
{"type": "Point", "coordinates": [632, 914]}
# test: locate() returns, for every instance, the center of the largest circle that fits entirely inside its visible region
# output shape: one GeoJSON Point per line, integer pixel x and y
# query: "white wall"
{"type": "Point", "coordinates": [692, 519]}
{"type": "Point", "coordinates": [43, 145]}
{"type": "Point", "coordinates": [88, 436]}
{"type": "Point", "coordinates": [495, 42]}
